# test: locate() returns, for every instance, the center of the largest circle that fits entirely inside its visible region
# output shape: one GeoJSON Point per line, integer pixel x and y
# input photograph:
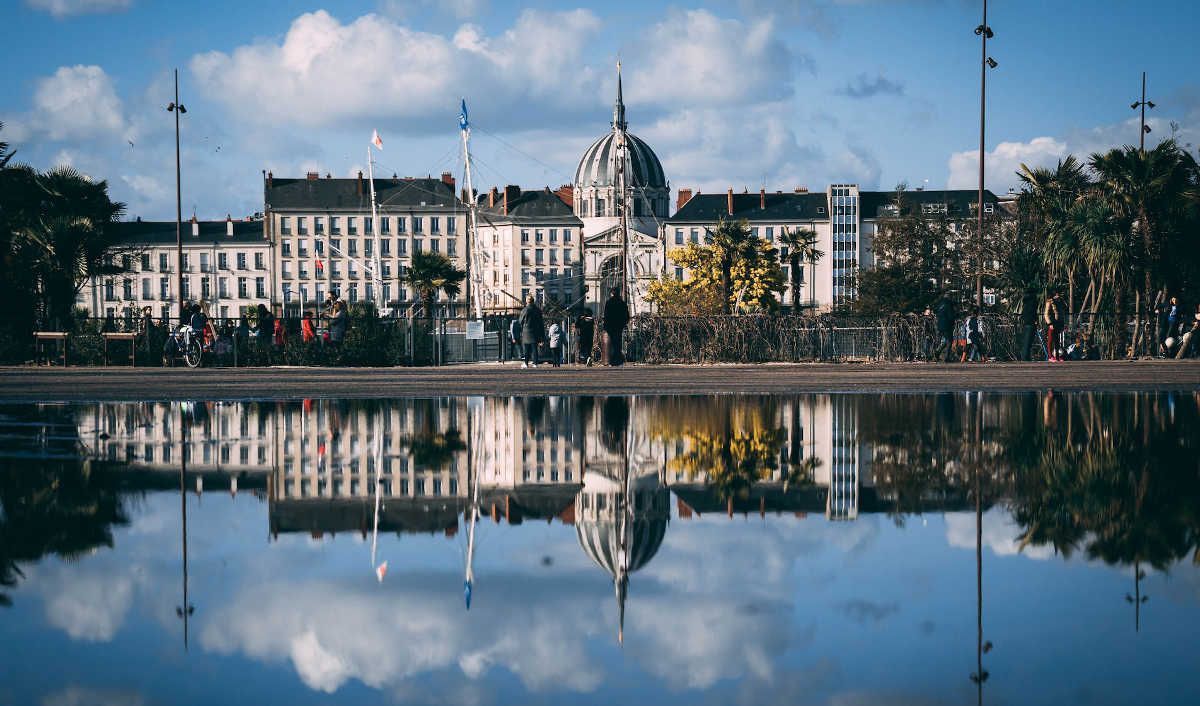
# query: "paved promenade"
{"type": "Point", "coordinates": [59, 384]}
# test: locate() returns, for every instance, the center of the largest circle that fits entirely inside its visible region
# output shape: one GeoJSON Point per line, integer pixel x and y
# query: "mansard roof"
{"type": "Point", "coordinates": [706, 208]}
{"type": "Point", "coordinates": [355, 194]}
{"type": "Point", "coordinates": [532, 207]}
{"type": "Point", "coordinates": [163, 232]}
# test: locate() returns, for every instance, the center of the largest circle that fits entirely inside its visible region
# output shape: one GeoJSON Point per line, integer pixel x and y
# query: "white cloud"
{"type": "Point", "coordinates": [87, 607]}
{"type": "Point", "coordinates": [75, 103]}
{"type": "Point", "coordinates": [1002, 163]}
{"type": "Point", "coordinates": [68, 8]}
{"type": "Point", "coordinates": [374, 69]}
{"type": "Point", "coordinates": [1000, 534]}
{"type": "Point", "coordinates": [87, 696]}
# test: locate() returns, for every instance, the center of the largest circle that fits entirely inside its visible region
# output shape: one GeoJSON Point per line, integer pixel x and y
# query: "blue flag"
{"type": "Point", "coordinates": [462, 117]}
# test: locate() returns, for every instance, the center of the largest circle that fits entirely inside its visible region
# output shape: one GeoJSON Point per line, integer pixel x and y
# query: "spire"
{"type": "Point", "coordinates": [619, 107]}
{"type": "Point", "coordinates": [621, 585]}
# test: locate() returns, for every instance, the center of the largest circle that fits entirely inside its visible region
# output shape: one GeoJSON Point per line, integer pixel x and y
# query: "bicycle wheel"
{"type": "Point", "coordinates": [192, 355]}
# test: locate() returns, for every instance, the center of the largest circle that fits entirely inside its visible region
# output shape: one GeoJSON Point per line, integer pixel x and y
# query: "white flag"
{"type": "Point", "coordinates": [375, 139]}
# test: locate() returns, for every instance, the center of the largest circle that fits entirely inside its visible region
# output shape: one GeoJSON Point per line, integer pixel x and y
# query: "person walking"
{"type": "Point", "coordinates": [555, 336]}
{"type": "Point", "coordinates": [585, 338]}
{"type": "Point", "coordinates": [945, 328]}
{"type": "Point", "coordinates": [533, 330]}
{"type": "Point", "coordinates": [616, 317]}
{"type": "Point", "coordinates": [338, 324]}
{"type": "Point", "coordinates": [974, 350]}
{"type": "Point", "coordinates": [1028, 324]}
{"type": "Point", "coordinates": [308, 334]}
{"type": "Point", "coordinates": [514, 336]}
{"type": "Point", "coordinates": [1052, 318]}
{"type": "Point", "coordinates": [264, 329]}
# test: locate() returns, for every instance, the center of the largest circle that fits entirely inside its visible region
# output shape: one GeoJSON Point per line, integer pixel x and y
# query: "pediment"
{"type": "Point", "coordinates": [612, 237]}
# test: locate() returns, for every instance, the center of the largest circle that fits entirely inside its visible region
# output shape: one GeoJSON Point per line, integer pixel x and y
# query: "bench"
{"type": "Point", "coordinates": [60, 344]}
{"type": "Point", "coordinates": [115, 336]}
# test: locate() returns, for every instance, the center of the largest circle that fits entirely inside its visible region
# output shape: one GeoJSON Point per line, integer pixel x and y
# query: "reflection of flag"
{"type": "Point", "coordinates": [381, 571]}
{"type": "Point", "coordinates": [462, 116]}
{"type": "Point", "coordinates": [375, 139]}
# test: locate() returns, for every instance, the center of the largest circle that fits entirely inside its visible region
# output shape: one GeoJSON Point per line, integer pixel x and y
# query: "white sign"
{"type": "Point", "coordinates": [474, 330]}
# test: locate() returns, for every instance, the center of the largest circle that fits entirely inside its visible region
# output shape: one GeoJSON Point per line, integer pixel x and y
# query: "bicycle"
{"type": "Point", "coordinates": [187, 345]}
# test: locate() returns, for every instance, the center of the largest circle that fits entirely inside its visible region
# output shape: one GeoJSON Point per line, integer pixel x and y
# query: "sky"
{"type": "Point", "coordinates": [746, 94]}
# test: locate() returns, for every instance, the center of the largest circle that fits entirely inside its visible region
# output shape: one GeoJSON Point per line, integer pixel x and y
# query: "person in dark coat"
{"type": "Point", "coordinates": [337, 325]}
{"type": "Point", "coordinates": [585, 326]}
{"type": "Point", "coordinates": [945, 327]}
{"type": "Point", "coordinates": [1029, 304]}
{"type": "Point", "coordinates": [264, 327]}
{"type": "Point", "coordinates": [533, 330]}
{"type": "Point", "coordinates": [616, 317]}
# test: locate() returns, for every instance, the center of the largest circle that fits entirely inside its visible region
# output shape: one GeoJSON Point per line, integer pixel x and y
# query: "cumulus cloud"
{"type": "Point", "coordinates": [75, 103]}
{"type": "Point", "coordinates": [324, 72]}
{"type": "Point", "coordinates": [864, 86]}
{"type": "Point", "coordinates": [1002, 163]}
{"type": "Point", "coordinates": [999, 534]}
{"type": "Point", "coordinates": [90, 608]}
{"type": "Point", "coordinates": [68, 8]}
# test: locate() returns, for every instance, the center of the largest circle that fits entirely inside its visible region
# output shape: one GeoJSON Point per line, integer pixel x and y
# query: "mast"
{"type": "Point", "coordinates": [376, 265]}
{"type": "Point", "coordinates": [473, 293]}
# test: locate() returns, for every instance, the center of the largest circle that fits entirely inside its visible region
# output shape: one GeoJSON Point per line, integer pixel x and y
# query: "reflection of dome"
{"type": "Point", "coordinates": [597, 166]}
{"type": "Point", "coordinates": [599, 541]}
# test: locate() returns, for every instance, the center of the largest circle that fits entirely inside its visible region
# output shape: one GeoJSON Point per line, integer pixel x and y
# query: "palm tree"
{"type": "Point", "coordinates": [732, 241]}
{"type": "Point", "coordinates": [801, 245]}
{"type": "Point", "coordinates": [431, 273]}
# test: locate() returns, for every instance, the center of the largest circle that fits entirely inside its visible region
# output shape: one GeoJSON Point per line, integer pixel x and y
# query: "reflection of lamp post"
{"type": "Point", "coordinates": [979, 676]}
{"type": "Point", "coordinates": [1137, 599]}
{"type": "Point", "coordinates": [187, 609]}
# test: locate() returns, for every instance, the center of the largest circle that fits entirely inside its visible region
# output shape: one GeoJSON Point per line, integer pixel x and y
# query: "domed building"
{"type": "Point", "coordinates": [620, 159]}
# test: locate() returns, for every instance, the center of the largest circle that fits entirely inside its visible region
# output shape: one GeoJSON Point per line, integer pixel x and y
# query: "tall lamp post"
{"type": "Point", "coordinates": [1143, 104]}
{"type": "Point", "coordinates": [176, 107]}
{"type": "Point", "coordinates": [986, 62]}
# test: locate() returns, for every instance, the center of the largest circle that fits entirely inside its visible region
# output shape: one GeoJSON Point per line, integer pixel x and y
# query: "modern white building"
{"type": "Point", "coordinates": [227, 266]}
{"type": "Point", "coordinates": [323, 236]}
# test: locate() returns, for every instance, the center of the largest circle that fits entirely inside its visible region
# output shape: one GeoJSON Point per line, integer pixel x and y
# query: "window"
{"type": "Point", "coordinates": [162, 261]}
{"type": "Point", "coordinates": [302, 248]}
{"type": "Point", "coordinates": [303, 270]}
{"type": "Point", "coordinates": [145, 262]}
{"type": "Point", "coordinates": [770, 234]}
{"type": "Point", "coordinates": [566, 235]}
{"type": "Point", "coordinates": [223, 287]}
{"type": "Point", "coordinates": [554, 235]}
{"type": "Point", "coordinates": [387, 289]}
{"type": "Point", "coordinates": [187, 264]}
{"type": "Point", "coordinates": [385, 225]}
{"type": "Point", "coordinates": [368, 246]}
{"type": "Point", "coordinates": [187, 288]}
{"type": "Point", "coordinates": [285, 225]}
{"type": "Point", "coordinates": [204, 262]}
{"type": "Point", "coordinates": [679, 236]}
{"type": "Point", "coordinates": [352, 247]}
{"type": "Point", "coordinates": [418, 245]}
{"type": "Point", "coordinates": [335, 247]}
{"type": "Point", "coordinates": [553, 256]}
{"type": "Point", "coordinates": [401, 224]}
{"type": "Point", "coordinates": [287, 270]}
{"type": "Point", "coordinates": [539, 256]}
{"type": "Point", "coordinates": [286, 247]}
{"type": "Point", "coordinates": [401, 246]}
{"type": "Point", "coordinates": [694, 235]}
{"type": "Point", "coordinates": [566, 256]}
{"type": "Point", "coordinates": [385, 247]}
{"type": "Point", "coordinates": [450, 225]}
{"type": "Point", "coordinates": [434, 245]}
{"type": "Point", "coordinates": [416, 224]}
{"type": "Point", "coordinates": [302, 225]}
{"type": "Point", "coordinates": [452, 246]}
{"type": "Point", "coordinates": [435, 225]}
{"type": "Point", "coordinates": [989, 208]}
{"type": "Point", "coordinates": [243, 291]}
{"type": "Point", "coordinates": [223, 260]}
{"type": "Point", "coordinates": [205, 290]}
{"type": "Point", "coordinates": [241, 261]}
{"type": "Point", "coordinates": [524, 236]}
{"type": "Point", "coordinates": [367, 226]}
{"type": "Point", "coordinates": [539, 236]}
{"type": "Point", "coordinates": [754, 231]}
{"type": "Point", "coordinates": [318, 225]}
{"type": "Point", "coordinates": [335, 269]}
{"type": "Point", "coordinates": [127, 290]}
{"type": "Point", "coordinates": [599, 207]}
{"type": "Point", "coordinates": [354, 292]}
{"type": "Point", "coordinates": [679, 273]}
{"type": "Point", "coordinates": [258, 261]}
{"type": "Point", "coordinates": [525, 257]}
{"type": "Point", "coordinates": [146, 288]}
{"type": "Point", "coordinates": [387, 269]}
{"type": "Point", "coordinates": [335, 225]}
{"type": "Point", "coordinates": [164, 288]}
{"type": "Point", "coordinates": [260, 287]}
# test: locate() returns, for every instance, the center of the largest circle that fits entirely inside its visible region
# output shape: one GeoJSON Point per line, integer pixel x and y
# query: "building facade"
{"type": "Point", "coordinates": [844, 218]}
{"type": "Point", "coordinates": [227, 266]}
{"type": "Point", "coordinates": [324, 238]}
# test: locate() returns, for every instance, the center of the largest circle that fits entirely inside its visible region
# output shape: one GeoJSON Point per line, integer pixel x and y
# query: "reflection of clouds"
{"type": "Point", "coordinates": [88, 606]}
{"type": "Point", "coordinates": [84, 696]}
{"type": "Point", "coordinates": [862, 612]}
{"type": "Point", "coordinates": [1000, 534]}
{"type": "Point", "coordinates": [333, 632]}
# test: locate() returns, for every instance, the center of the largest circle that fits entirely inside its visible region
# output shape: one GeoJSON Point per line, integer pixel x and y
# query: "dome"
{"type": "Point", "coordinates": [599, 541]}
{"type": "Point", "coordinates": [597, 166]}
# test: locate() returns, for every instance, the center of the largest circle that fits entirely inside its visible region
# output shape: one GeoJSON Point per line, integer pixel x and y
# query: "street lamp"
{"type": "Point", "coordinates": [1143, 104]}
{"type": "Point", "coordinates": [177, 108]}
{"type": "Point", "coordinates": [986, 62]}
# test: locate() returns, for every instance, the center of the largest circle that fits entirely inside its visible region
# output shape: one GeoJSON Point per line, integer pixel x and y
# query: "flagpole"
{"type": "Point", "coordinates": [473, 294]}
{"type": "Point", "coordinates": [376, 275]}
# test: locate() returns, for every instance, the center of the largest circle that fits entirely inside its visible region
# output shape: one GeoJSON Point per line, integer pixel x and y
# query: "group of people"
{"type": "Point", "coordinates": [1178, 332]}
{"type": "Point", "coordinates": [528, 331]}
{"type": "Point", "coordinates": [969, 346]}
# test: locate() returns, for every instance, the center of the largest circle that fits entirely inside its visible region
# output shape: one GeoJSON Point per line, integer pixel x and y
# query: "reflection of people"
{"type": "Point", "coordinates": [616, 317]}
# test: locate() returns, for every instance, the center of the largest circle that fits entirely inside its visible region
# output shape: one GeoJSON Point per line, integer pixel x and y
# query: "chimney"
{"type": "Point", "coordinates": [492, 197]}
{"type": "Point", "coordinates": [228, 226]}
{"type": "Point", "coordinates": [729, 200]}
{"type": "Point", "coordinates": [801, 189]}
{"type": "Point", "coordinates": [511, 193]}
{"type": "Point", "coordinates": [762, 198]}
{"type": "Point", "coordinates": [328, 175]}
{"type": "Point", "coordinates": [312, 176]}
{"type": "Point", "coordinates": [270, 180]}
{"type": "Point", "coordinates": [360, 182]}
{"type": "Point", "coordinates": [463, 195]}
{"type": "Point", "coordinates": [685, 195]}
{"type": "Point", "coordinates": [195, 227]}
{"type": "Point", "coordinates": [447, 178]}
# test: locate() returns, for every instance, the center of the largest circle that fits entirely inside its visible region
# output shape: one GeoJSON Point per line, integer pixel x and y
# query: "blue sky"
{"type": "Point", "coordinates": [748, 93]}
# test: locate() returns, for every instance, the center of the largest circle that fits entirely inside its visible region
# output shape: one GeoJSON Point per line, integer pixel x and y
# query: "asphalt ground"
{"type": "Point", "coordinates": [29, 384]}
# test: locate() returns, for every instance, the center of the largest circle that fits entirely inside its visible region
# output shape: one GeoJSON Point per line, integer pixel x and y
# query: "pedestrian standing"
{"type": "Point", "coordinates": [514, 336]}
{"type": "Point", "coordinates": [616, 317]}
{"type": "Point", "coordinates": [338, 324]}
{"type": "Point", "coordinates": [555, 336]}
{"type": "Point", "coordinates": [264, 327]}
{"type": "Point", "coordinates": [585, 338]}
{"type": "Point", "coordinates": [308, 334]}
{"type": "Point", "coordinates": [1052, 318]}
{"type": "Point", "coordinates": [1028, 323]}
{"type": "Point", "coordinates": [533, 331]}
{"type": "Point", "coordinates": [945, 327]}
{"type": "Point", "coordinates": [974, 350]}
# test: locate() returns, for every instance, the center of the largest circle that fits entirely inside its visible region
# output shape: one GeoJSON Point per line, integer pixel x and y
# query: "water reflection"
{"type": "Point", "coordinates": [1108, 478]}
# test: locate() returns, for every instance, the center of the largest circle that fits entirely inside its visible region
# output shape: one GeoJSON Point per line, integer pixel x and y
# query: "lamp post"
{"type": "Point", "coordinates": [986, 62]}
{"type": "Point", "coordinates": [176, 107]}
{"type": "Point", "coordinates": [1143, 104]}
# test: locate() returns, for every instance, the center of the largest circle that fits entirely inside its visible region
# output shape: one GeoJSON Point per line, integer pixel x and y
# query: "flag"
{"type": "Point", "coordinates": [375, 139]}
{"type": "Point", "coordinates": [320, 265]}
{"type": "Point", "coordinates": [381, 571]}
{"type": "Point", "coordinates": [462, 116]}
